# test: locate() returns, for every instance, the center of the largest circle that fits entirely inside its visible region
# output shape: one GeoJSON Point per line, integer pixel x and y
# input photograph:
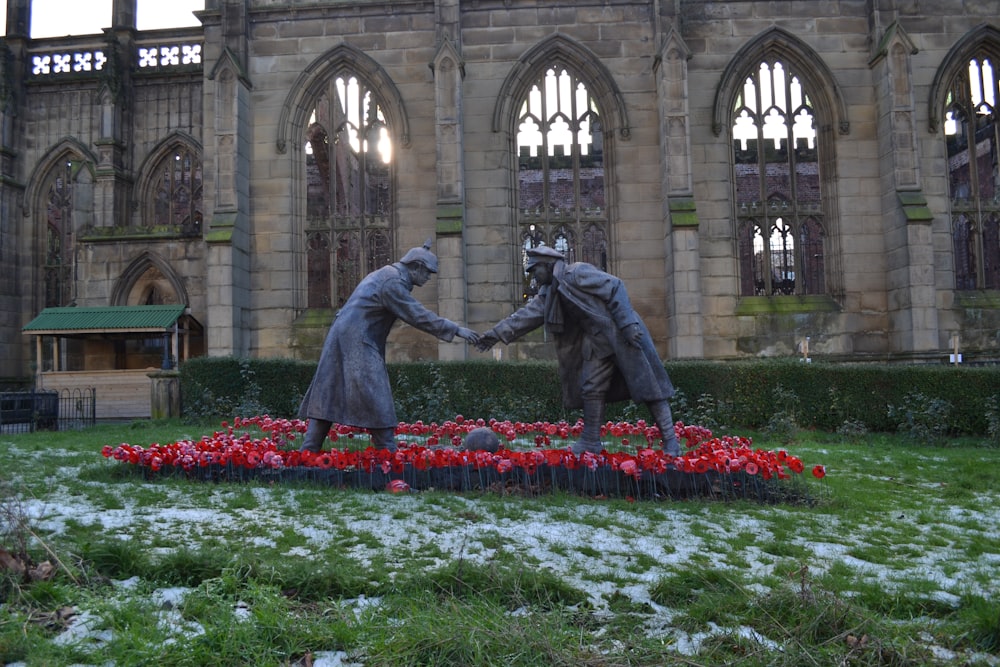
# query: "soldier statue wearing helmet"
{"type": "Point", "coordinates": [351, 384]}
{"type": "Point", "coordinates": [605, 351]}
{"type": "Point", "coordinates": [423, 255]}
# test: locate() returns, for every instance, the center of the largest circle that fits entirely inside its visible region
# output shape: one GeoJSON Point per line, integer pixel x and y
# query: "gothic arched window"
{"type": "Point", "coordinates": [971, 137]}
{"type": "Point", "coordinates": [349, 190]}
{"type": "Point", "coordinates": [59, 227]}
{"type": "Point", "coordinates": [561, 187]}
{"type": "Point", "coordinates": [177, 191]}
{"type": "Point", "coordinates": [777, 184]}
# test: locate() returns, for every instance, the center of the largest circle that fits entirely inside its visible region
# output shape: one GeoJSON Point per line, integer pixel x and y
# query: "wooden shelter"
{"type": "Point", "coordinates": [112, 349]}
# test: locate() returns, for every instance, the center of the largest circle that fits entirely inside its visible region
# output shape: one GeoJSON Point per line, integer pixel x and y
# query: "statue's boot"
{"type": "Point", "coordinates": [383, 438]}
{"type": "Point", "coordinates": [316, 433]}
{"type": "Point", "coordinates": [664, 419]}
{"type": "Point", "coordinates": [593, 417]}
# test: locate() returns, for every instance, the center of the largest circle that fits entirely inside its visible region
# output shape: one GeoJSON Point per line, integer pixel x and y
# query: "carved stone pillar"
{"type": "Point", "coordinates": [15, 249]}
{"type": "Point", "coordinates": [226, 182]}
{"type": "Point", "coordinates": [112, 187]}
{"type": "Point", "coordinates": [683, 256]}
{"type": "Point", "coordinates": [449, 71]}
{"type": "Point", "coordinates": [913, 313]}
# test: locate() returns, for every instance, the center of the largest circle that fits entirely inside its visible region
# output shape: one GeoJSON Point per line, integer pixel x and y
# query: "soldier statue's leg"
{"type": "Point", "coordinates": [597, 374]}
{"type": "Point", "coordinates": [316, 433]}
{"type": "Point", "coordinates": [593, 417]}
{"type": "Point", "coordinates": [383, 438]}
{"type": "Point", "coordinates": [665, 421]}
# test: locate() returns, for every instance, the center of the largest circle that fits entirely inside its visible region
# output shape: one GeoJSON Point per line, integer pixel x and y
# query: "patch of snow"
{"type": "Point", "coordinates": [333, 659]}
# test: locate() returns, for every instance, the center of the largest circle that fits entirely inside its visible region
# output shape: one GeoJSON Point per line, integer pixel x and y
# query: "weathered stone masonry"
{"type": "Point", "coordinates": [221, 167]}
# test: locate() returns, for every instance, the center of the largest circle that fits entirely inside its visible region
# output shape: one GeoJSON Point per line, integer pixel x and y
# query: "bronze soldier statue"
{"type": "Point", "coordinates": [605, 351]}
{"type": "Point", "coordinates": [351, 384]}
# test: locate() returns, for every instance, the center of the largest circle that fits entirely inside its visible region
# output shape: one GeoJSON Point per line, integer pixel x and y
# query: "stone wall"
{"type": "Point", "coordinates": [450, 73]}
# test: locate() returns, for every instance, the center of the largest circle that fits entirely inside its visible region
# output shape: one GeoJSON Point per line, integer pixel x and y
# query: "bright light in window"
{"type": "Point", "coordinates": [562, 105]}
{"type": "Point", "coordinates": [950, 124]}
{"type": "Point", "coordinates": [744, 129]}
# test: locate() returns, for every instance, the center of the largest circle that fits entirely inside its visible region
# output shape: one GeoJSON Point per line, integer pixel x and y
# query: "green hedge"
{"type": "Point", "coordinates": [825, 396]}
{"type": "Point", "coordinates": [229, 386]}
{"type": "Point", "coordinates": [744, 393]}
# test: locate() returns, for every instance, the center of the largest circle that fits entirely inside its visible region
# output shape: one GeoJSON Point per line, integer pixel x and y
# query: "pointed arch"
{"type": "Point", "coordinates": [984, 39]}
{"type": "Point", "coordinates": [555, 50]}
{"type": "Point", "coordinates": [345, 119]}
{"type": "Point", "coordinates": [230, 61]}
{"type": "Point", "coordinates": [67, 147]}
{"type": "Point", "coordinates": [161, 150]}
{"type": "Point", "coordinates": [965, 112]}
{"type": "Point", "coordinates": [779, 43]}
{"type": "Point", "coordinates": [562, 113]}
{"type": "Point", "coordinates": [139, 270]}
{"type": "Point", "coordinates": [447, 52]}
{"type": "Point", "coordinates": [781, 109]}
{"type": "Point", "coordinates": [310, 83]}
{"type": "Point", "coordinates": [159, 198]}
{"type": "Point", "coordinates": [60, 200]}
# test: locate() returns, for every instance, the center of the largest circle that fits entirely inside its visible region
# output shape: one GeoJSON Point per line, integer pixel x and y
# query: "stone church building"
{"type": "Point", "coordinates": [760, 174]}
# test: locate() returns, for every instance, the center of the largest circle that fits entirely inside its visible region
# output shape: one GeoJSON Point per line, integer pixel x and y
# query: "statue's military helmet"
{"type": "Point", "coordinates": [422, 255]}
{"type": "Point", "coordinates": [542, 253]}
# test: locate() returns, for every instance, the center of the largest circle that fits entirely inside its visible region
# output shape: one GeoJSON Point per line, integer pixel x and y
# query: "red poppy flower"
{"type": "Point", "coordinates": [397, 486]}
{"type": "Point", "coordinates": [704, 452]}
{"type": "Point", "coordinates": [553, 457]}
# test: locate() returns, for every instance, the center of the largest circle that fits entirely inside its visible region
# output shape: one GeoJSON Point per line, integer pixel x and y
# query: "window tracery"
{"type": "Point", "coordinates": [778, 193]}
{"type": "Point", "coordinates": [561, 184]}
{"type": "Point", "coordinates": [177, 191]}
{"type": "Point", "coordinates": [58, 261]}
{"type": "Point", "coordinates": [972, 139]}
{"type": "Point", "coordinates": [349, 190]}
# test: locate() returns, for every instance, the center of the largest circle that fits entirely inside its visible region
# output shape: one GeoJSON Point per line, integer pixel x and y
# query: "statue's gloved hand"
{"type": "Point", "coordinates": [487, 340]}
{"type": "Point", "coordinates": [468, 334]}
{"type": "Point", "coordinates": [633, 335]}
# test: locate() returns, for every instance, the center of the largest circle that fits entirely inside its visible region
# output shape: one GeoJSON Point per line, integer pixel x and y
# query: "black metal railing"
{"type": "Point", "coordinates": [29, 411]}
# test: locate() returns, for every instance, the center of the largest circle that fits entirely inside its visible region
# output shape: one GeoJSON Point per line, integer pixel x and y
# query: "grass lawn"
{"type": "Point", "coordinates": [897, 562]}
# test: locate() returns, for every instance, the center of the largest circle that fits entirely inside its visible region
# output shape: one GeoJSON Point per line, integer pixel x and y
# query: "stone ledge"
{"type": "Point", "coordinates": [805, 303]}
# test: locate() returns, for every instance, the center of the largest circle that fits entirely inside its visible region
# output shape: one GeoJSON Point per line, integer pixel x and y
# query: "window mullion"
{"type": "Point", "coordinates": [575, 157]}
{"type": "Point", "coordinates": [765, 225]}
{"type": "Point", "coordinates": [546, 126]}
{"type": "Point", "coordinates": [790, 217]}
{"type": "Point", "coordinates": [974, 190]}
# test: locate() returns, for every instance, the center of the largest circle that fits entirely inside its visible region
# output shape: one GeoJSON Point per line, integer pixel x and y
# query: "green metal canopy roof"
{"type": "Point", "coordinates": [107, 319]}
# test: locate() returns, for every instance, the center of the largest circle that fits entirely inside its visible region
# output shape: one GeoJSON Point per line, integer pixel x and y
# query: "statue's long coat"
{"type": "Point", "coordinates": [351, 385]}
{"type": "Point", "coordinates": [607, 314]}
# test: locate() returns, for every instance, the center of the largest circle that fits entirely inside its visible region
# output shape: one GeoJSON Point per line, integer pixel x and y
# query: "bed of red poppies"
{"type": "Point", "coordinates": [532, 457]}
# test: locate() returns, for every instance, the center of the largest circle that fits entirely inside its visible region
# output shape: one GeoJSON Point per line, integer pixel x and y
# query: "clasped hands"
{"type": "Point", "coordinates": [486, 340]}
{"type": "Point", "coordinates": [482, 341]}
